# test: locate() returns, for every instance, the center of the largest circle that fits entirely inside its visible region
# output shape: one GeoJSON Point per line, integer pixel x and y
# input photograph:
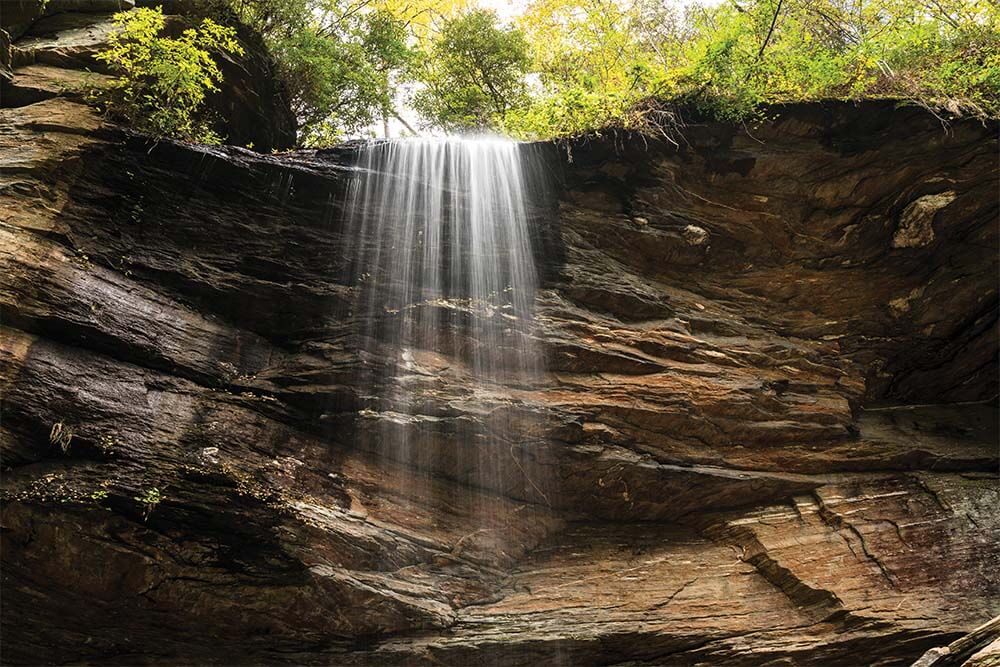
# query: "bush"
{"type": "Point", "coordinates": [162, 82]}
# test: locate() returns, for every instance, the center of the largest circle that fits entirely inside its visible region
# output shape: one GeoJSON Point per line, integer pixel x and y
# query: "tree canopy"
{"type": "Point", "coordinates": [473, 74]}
{"type": "Point", "coordinates": [340, 60]}
{"type": "Point", "coordinates": [599, 59]}
{"type": "Point", "coordinates": [571, 66]}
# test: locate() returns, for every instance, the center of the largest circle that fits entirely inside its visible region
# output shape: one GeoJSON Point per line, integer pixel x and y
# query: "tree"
{"type": "Point", "coordinates": [592, 65]}
{"type": "Point", "coordinates": [941, 53]}
{"type": "Point", "coordinates": [473, 74]}
{"type": "Point", "coordinates": [340, 60]}
{"type": "Point", "coordinates": [162, 81]}
{"type": "Point", "coordinates": [341, 75]}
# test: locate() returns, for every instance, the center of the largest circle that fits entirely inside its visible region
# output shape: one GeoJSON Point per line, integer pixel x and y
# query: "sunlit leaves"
{"type": "Point", "coordinates": [597, 59]}
{"type": "Point", "coordinates": [162, 82]}
{"type": "Point", "coordinates": [568, 66]}
{"type": "Point", "coordinates": [339, 60]}
{"type": "Point", "coordinates": [473, 74]}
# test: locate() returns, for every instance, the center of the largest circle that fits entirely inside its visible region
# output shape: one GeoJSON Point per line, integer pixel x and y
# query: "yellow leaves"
{"type": "Point", "coordinates": [162, 81]}
{"type": "Point", "coordinates": [423, 16]}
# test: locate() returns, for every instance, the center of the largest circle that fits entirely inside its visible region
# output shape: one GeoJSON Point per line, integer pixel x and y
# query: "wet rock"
{"type": "Point", "coordinates": [695, 235]}
{"type": "Point", "coordinates": [744, 456]}
{"type": "Point", "coordinates": [69, 41]}
{"type": "Point", "coordinates": [6, 57]}
{"type": "Point", "coordinates": [916, 223]}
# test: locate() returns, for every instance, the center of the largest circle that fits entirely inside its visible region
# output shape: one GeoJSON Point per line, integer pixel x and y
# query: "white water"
{"type": "Point", "coordinates": [439, 245]}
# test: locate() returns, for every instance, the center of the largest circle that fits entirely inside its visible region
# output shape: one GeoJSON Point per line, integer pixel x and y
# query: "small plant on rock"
{"type": "Point", "coordinates": [149, 499]}
{"type": "Point", "coordinates": [107, 444]}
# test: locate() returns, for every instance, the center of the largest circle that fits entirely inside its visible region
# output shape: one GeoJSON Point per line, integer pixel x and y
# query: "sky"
{"type": "Point", "coordinates": [505, 9]}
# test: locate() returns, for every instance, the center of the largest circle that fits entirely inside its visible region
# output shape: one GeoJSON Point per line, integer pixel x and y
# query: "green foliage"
{"type": "Point", "coordinates": [151, 496]}
{"type": "Point", "coordinates": [599, 59]}
{"type": "Point", "coordinates": [162, 81]}
{"type": "Point", "coordinates": [568, 66]}
{"type": "Point", "coordinates": [340, 62]}
{"type": "Point", "coordinates": [343, 83]}
{"type": "Point", "coordinates": [107, 444]}
{"type": "Point", "coordinates": [592, 64]}
{"type": "Point", "coordinates": [473, 74]}
{"type": "Point", "coordinates": [149, 499]}
{"type": "Point", "coordinates": [773, 51]}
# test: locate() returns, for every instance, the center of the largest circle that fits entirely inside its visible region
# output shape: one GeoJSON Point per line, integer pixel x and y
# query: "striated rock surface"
{"type": "Point", "coordinates": [767, 432]}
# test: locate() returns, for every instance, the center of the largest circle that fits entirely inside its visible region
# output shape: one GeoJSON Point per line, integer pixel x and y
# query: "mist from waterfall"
{"type": "Point", "coordinates": [440, 255]}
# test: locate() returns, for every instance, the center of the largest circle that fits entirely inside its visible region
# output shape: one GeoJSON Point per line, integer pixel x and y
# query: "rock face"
{"type": "Point", "coordinates": [767, 432]}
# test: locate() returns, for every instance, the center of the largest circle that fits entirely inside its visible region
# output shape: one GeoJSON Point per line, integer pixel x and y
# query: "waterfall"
{"type": "Point", "coordinates": [439, 247]}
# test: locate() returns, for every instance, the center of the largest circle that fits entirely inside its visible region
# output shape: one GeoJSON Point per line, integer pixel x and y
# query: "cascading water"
{"type": "Point", "coordinates": [441, 260]}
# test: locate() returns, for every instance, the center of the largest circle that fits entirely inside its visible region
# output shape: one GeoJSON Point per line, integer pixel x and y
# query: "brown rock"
{"type": "Point", "coordinates": [915, 228]}
{"type": "Point", "coordinates": [740, 453]}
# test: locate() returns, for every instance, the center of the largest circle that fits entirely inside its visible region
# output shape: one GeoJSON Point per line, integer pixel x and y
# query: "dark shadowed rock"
{"type": "Point", "coordinates": [766, 433]}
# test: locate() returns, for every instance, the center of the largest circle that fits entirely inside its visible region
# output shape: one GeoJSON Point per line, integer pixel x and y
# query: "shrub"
{"type": "Point", "coordinates": [149, 499]}
{"type": "Point", "coordinates": [162, 82]}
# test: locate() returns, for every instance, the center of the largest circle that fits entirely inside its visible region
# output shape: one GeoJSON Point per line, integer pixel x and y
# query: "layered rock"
{"type": "Point", "coordinates": [766, 434]}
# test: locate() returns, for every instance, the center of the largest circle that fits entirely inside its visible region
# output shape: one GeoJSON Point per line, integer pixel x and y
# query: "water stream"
{"type": "Point", "coordinates": [440, 249]}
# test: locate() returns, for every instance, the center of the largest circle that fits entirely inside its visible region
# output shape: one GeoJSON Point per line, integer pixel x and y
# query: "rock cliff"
{"type": "Point", "coordinates": [766, 434]}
